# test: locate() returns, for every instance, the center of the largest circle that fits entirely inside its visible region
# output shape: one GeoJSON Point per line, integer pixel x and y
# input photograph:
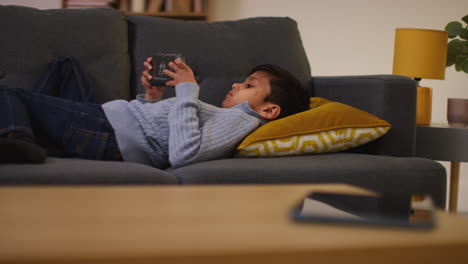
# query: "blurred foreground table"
{"type": "Point", "coordinates": [203, 224]}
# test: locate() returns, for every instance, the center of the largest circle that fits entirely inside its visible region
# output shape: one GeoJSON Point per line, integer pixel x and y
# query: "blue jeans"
{"type": "Point", "coordinates": [60, 114]}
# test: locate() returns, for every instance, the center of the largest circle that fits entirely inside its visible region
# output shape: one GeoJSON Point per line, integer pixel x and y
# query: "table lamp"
{"type": "Point", "coordinates": [421, 53]}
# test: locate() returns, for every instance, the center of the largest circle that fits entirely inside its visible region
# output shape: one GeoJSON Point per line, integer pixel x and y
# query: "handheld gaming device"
{"type": "Point", "coordinates": [159, 63]}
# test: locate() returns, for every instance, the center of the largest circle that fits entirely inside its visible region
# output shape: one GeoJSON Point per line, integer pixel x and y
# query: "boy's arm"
{"type": "Point", "coordinates": [216, 138]}
{"type": "Point", "coordinates": [152, 93]}
{"type": "Point", "coordinates": [188, 141]}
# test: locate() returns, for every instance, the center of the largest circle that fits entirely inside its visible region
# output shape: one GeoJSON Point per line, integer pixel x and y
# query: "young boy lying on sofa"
{"type": "Point", "coordinates": [60, 114]}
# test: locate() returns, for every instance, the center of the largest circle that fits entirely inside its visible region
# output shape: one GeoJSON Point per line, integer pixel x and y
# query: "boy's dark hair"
{"type": "Point", "coordinates": [286, 90]}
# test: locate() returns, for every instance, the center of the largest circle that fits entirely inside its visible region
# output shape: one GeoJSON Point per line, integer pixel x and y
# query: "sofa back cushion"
{"type": "Point", "coordinates": [96, 37]}
{"type": "Point", "coordinates": [220, 53]}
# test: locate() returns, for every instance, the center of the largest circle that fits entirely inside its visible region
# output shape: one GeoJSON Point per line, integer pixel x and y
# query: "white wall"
{"type": "Point", "coordinates": [352, 37]}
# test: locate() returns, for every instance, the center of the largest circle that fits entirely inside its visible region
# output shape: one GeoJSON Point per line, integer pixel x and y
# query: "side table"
{"type": "Point", "coordinates": [445, 143]}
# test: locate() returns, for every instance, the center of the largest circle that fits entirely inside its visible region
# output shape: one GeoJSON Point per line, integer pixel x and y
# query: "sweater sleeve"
{"type": "Point", "coordinates": [217, 138]}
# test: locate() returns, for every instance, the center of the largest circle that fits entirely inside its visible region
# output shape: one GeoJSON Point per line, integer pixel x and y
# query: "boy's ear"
{"type": "Point", "coordinates": [270, 111]}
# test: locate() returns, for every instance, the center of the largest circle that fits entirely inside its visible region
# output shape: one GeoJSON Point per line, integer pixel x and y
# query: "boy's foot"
{"type": "Point", "coordinates": [20, 148]}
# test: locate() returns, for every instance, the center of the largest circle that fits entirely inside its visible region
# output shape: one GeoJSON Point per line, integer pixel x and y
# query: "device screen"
{"type": "Point", "coordinates": [395, 210]}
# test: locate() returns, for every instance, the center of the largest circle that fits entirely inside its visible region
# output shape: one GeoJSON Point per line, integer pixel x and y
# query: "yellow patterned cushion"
{"type": "Point", "coordinates": [327, 127]}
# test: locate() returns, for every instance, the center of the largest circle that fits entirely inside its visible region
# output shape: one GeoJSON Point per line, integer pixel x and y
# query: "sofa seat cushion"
{"type": "Point", "coordinates": [96, 37]}
{"type": "Point", "coordinates": [379, 173]}
{"type": "Point", "coordinates": [79, 171]}
{"type": "Point", "coordinates": [220, 53]}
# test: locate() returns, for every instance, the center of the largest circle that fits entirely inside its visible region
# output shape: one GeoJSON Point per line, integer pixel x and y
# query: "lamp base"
{"type": "Point", "coordinates": [424, 106]}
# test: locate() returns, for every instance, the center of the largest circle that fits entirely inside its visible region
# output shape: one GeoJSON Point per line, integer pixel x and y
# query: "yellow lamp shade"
{"type": "Point", "coordinates": [420, 53]}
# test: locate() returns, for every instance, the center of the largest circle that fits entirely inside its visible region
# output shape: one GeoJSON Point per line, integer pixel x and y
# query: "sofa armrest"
{"type": "Point", "coordinates": [390, 97]}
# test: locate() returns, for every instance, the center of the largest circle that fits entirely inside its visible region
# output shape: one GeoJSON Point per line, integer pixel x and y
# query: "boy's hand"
{"type": "Point", "coordinates": [182, 73]}
{"type": "Point", "coordinates": [151, 92]}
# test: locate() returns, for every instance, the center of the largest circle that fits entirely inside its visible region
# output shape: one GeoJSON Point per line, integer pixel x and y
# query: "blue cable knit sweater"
{"type": "Point", "coordinates": [180, 130]}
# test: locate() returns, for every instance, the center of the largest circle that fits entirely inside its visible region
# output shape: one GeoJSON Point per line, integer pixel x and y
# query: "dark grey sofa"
{"type": "Point", "coordinates": [112, 48]}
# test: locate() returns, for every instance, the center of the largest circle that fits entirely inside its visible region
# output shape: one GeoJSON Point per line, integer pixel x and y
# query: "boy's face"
{"type": "Point", "coordinates": [254, 89]}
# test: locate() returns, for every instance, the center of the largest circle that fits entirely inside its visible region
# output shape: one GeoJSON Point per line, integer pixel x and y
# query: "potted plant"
{"type": "Point", "coordinates": [457, 49]}
{"type": "Point", "coordinates": [457, 54]}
